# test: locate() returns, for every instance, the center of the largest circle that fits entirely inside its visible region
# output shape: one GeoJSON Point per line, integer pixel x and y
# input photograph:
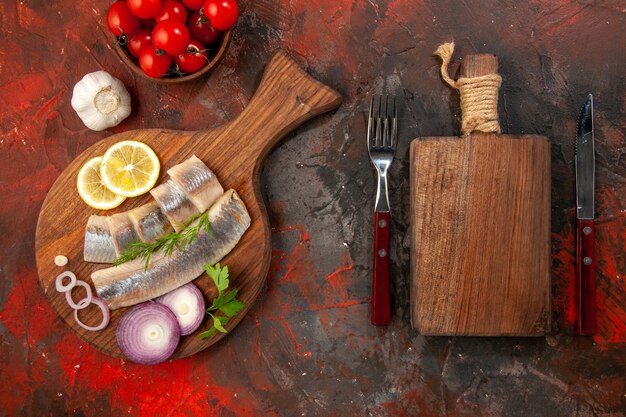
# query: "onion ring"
{"type": "Point", "coordinates": [84, 303]}
{"type": "Point", "coordinates": [148, 333]}
{"type": "Point", "coordinates": [106, 316]}
{"type": "Point", "coordinates": [59, 281]}
{"type": "Point", "coordinates": [187, 304]}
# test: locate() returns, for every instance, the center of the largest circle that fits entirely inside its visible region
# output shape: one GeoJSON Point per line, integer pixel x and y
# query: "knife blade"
{"type": "Point", "coordinates": [585, 251]}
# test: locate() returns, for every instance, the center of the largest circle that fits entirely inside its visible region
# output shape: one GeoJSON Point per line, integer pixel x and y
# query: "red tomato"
{"type": "Point", "coordinates": [172, 36]}
{"type": "Point", "coordinates": [145, 8]}
{"type": "Point", "coordinates": [172, 10]}
{"type": "Point", "coordinates": [153, 62]}
{"type": "Point", "coordinates": [200, 29]}
{"type": "Point", "coordinates": [194, 59]}
{"type": "Point", "coordinates": [194, 4]}
{"type": "Point", "coordinates": [222, 13]}
{"type": "Point", "coordinates": [121, 21]}
{"type": "Point", "coordinates": [138, 41]}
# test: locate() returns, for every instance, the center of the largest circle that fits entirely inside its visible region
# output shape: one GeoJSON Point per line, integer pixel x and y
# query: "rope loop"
{"type": "Point", "coordinates": [479, 95]}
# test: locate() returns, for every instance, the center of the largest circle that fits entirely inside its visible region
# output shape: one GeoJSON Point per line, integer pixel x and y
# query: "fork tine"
{"type": "Point", "coordinates": [386, 139]}
{"type": "Point", "coordinates": [370, 121]}
{"type": "Point", "coordinates": [394, 124]}
{"type": "Point", "coordinates": [379, 123]}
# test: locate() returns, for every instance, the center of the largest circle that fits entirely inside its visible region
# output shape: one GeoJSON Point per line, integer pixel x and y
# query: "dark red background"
{"type": "Point", "coordinates": [306, 347]}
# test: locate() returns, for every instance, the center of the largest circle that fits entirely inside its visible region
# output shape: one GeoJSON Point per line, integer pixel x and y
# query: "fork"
{"type": "Point", "coordinates": [382, 135]}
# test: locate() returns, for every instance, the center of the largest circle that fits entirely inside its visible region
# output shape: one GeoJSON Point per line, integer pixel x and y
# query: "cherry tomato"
{"type": "Point", "coordinates": [153, 62]}
{"type": "Point", "coordinates": [172, 10]}
{"type": "Point", "coordinates": [138, 41]}
{"type": "Point", "coordinates": [200, 29]}
{"type": "Point", "coordinates": [194, 4]}
{"type": "Point", "coordinates": [192, 60]}
{"type": "Point", "coordinates": [172, 36]}
{"type": "Point", "coordinates": [222, 13]}
{"type": "Point", "coordinates": [145, 8]}
{"type": "Point", "coordinates": [121, 21]}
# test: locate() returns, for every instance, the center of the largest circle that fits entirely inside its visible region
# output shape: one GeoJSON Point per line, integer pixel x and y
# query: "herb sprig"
{"type": "Point", "coordinates": [168, 242]}
{"type": "Point", "coordinates": [226, 301]}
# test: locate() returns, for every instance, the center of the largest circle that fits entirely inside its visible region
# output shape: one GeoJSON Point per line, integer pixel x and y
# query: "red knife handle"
{"type": "Point", "coordinates": [381, 287]}
{"type": "Point", "coordinates": [586, 260]}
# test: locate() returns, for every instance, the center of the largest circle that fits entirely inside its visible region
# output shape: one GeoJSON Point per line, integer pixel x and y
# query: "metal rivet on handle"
{"type": "Point", "coordinates": [382, 223]}
{"type": "Point", "coordinates": [587, 230]}
{"type": "Point", "coordinates": [382, 253]}
{"type": "Point", "coordinates": [587, 260]}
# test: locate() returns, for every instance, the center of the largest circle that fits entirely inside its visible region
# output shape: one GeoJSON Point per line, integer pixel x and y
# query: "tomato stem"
{"type": "Point", "coordinates": [175, 70]}
{"type": "Point", "coordinates": [194, 50]}
{"type": "Point", "coordinates": [122, 39]}
{"type": "Point", "coordinates": [203, 17]}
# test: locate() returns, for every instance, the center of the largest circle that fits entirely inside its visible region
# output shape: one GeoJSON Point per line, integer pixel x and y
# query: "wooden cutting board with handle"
{"type": "Point", "coordinates": [285, 98]}
{"type": "Point", "coordinates": [480, 230]}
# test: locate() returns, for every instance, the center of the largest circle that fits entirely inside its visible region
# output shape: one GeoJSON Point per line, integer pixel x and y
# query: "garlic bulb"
{"type": "Point", "coordinates": [101, 100]}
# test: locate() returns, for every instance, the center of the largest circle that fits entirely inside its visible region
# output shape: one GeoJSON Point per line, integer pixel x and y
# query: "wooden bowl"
{"type": "Point", "coordinates": [215, 58]}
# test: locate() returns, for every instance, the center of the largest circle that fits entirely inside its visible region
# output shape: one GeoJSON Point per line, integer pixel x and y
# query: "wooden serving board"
{"type": "Point", "coordinates": [480, 233]}
{"type": "Point", "coordinates": [286, 97]}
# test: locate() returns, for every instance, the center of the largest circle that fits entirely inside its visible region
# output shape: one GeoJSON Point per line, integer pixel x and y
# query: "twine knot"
{"type": "Point", "coordinates": [479, 95]}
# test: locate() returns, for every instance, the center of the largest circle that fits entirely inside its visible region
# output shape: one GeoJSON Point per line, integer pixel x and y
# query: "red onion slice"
{"type": "Point", "coordinates": [82, 303]}
{"type": "Point", "coordinates": [148, 333]}
{"type": "Point", "coordinates": [187, 304]}
{"type": "Point", "coordinates": [106, 316]}
{"type": "Point", "coordinates": [59, 281]}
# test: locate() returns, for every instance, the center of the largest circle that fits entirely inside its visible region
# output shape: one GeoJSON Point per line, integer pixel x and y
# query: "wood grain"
{"type": "Point", "coordinates": [285, 98]}
{"type": "Point", "coordinates": [480, 231]}
{"type": "Point", "coordinates": [480, 238]}
{"type": "Point", "coordinates": [476, 65]}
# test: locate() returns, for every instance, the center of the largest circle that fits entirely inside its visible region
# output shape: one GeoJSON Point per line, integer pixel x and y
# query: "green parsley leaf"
{"type": "Point", "coordinates": [218, 323]}
{"type": "Point", "coordinates": [226, 301]}
{"type": "Point", "coordinates": [219, 276]}
{"type": "Point", "coordinates": [232, 308]}
{"type": "Point", "coordinates": [208, 333]}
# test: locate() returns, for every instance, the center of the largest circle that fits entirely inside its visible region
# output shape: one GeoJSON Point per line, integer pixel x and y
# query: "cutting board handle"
{"type": "Point", "coordinates": [478, 86]}
{"type": "Point", "coordinates": [477, 65]}
{"type": "Point", "coordinates": [286, 97]}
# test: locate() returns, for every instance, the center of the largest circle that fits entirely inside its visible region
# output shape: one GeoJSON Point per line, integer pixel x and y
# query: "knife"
{"type": "Point", "coordinates": [585, 256]}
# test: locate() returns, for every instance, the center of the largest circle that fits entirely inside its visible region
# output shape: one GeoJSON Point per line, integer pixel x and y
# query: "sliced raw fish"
{"type": "Point", "coordinates": [149, 222]}
{"type": "Point", "coordinates": [174, 203]}
{"type": "Point", "coordinates": [131, 283]}
{"type": "Point", "coordinates": [197, 181]}
{"type": "Point", "coordinates": [98, 241]}
{"type": "Point", "coordinates": [122, 231]}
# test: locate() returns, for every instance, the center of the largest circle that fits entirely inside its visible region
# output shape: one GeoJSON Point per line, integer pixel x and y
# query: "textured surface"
{"type": "Point", "coordinates": [480, 249]}
{"type": "Point", "coordinates": [307, 347]}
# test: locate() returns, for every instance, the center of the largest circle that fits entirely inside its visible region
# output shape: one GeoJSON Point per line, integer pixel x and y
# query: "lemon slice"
{"type": "Point", "coordinates": [130, 168]}
{"type": "Point", "coordinates": [91, 188]}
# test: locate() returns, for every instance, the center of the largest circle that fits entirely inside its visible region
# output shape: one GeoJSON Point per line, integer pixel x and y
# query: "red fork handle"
{"type": "Point", "coordinates": [381, 287]}
{"type": "Point", "coordinates": [586, 279]}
